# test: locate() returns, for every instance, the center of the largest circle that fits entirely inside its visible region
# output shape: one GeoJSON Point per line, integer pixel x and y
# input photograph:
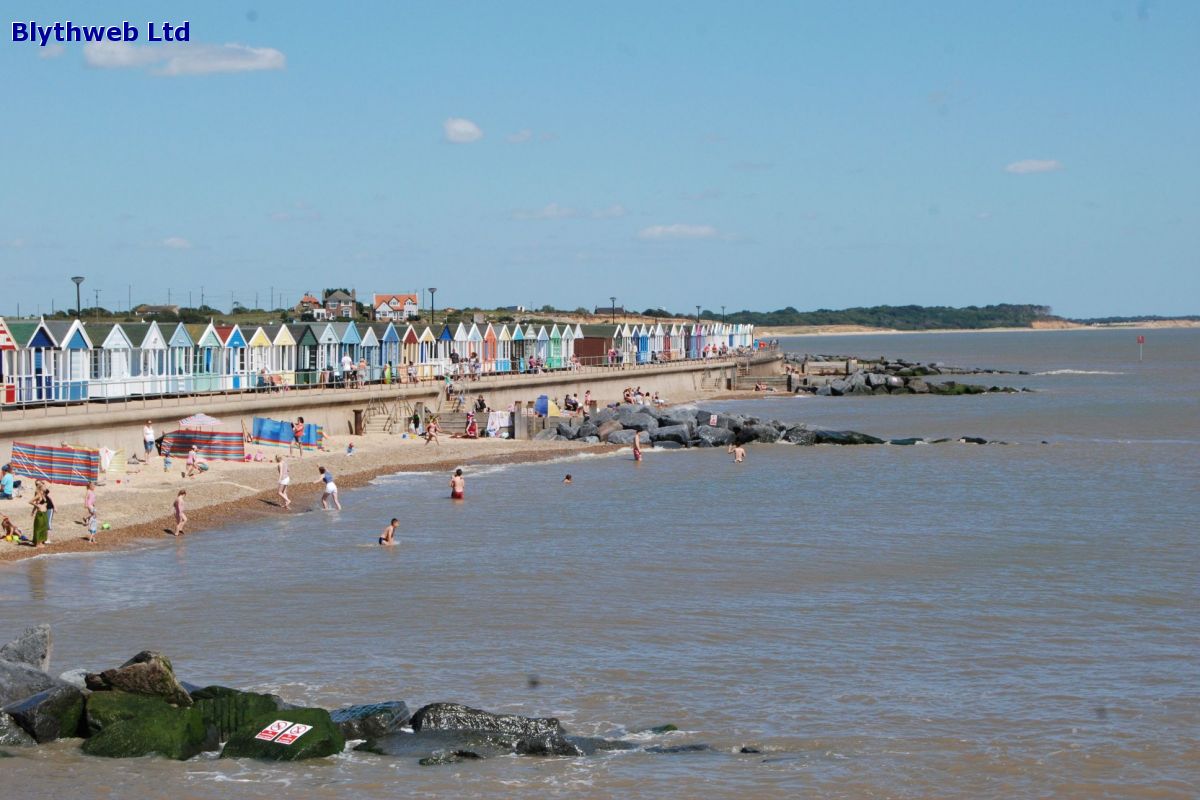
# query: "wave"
{"type": "Point", "coordinates": [1078, 372]}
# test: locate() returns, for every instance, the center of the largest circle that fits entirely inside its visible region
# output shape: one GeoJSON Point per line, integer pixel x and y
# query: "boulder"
{"type": "Point", "coordinates": [31, 648]}
{"type": "Point", "coordinates": [799, 434]}
{"type": "Point", "coordinates": [844, 437]}
{"type": "Point", "coordinates": [18, 681]}
{"type": "Point", "coordinates": [436, 744]}
{"type": "Point", "coordinates": [12, 734]}
{"type": "Point", "coordinates": [148, 673]}
{"type": "Point", "coordinates": [908, 441]}
{"type": "Point", "coordinates": [714, 437]}
{"type": "Point", "coordinates": [547, 435]}
{"type": "Point", "coordinates": [125, 725]}
{"type": "Point", "coordinates": [56, 713]}
{"type": "Point", "coordinates": [638, 422]}
{"type": "Point", "coordinates": [918, 386]}
{"type": "Point", "coordinates": [324, 738]}
{"type": "Point", "coordinates": [874, 379]}
{"type": "Point", "coordinates": [757, 433]}
{"type": "Point", "coordinates": [607, 428]}
{"type": "Point", "coordinates": [722, 420]}
{"type": "Point", "coordinates": [972, 440]}
{"type": "Point", "coordinates": [622, 437]}
{"type": "Point", "coordinates": [76, 677]}
{"type": "Point", "coordinates": [457, 717]}
{"type": "Point", "coordinates": [371, 721]}
{"type": "Point", "coordinates": [679, 416]}
{"type": "Point", "coordinates": [603, 415]}
{"type": "Point", "coordinates": [566, 429]}
{"type": "Point", "coordinates": [680, 434]}
{"type": "Point", "coordinates": [587, 429]}
{"type": "Point", "coordinates": [231, 711]}
{"type": "Point", "coordinates": [590, 440]}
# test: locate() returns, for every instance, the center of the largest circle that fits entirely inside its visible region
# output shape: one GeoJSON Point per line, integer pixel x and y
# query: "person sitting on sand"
{"type": "Point", "coordinates": [472, 427]}
{"type": "Point", "coordinates": [11, 532]}
{"type": "Point", "coordinates": [458, 485]}
{"type": "Point", "coordinates": [180, 517]}
{"type": "Point", "coordinates": [387, 537]}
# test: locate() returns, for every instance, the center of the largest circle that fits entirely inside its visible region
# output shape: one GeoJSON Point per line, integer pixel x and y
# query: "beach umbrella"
{"type": "Point", "coordinates": [199, 421]}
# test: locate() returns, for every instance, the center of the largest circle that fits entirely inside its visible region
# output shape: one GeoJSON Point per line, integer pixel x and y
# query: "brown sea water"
{"type": "Point", "coordinates": [929, 621]}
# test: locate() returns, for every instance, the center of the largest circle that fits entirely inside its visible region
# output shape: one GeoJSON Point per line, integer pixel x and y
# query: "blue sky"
{"type": "Point", "coordinates": [752, 155]}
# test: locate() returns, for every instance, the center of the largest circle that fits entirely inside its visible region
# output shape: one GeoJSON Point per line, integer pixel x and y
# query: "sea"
{"type": "Point", "coordinates": [1015, 620]}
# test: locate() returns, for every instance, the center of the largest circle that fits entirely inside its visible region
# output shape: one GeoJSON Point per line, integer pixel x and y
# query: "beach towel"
{"type": "Point", "coordinates": [66, 465]}
{"type": "Point", "coordinates": [212, 445]}
{"type": "Point", "coordinates": [278, 433]}
{"type": "Point", "coordinates": [497, 421]}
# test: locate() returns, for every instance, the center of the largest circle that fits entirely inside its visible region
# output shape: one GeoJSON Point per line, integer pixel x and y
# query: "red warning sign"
{"type": "Point", "coordinates": [274, 729]}
{"type": "Point", "coordinates": [293, 733]}
{"type": "Point", "coordinates": [1141, 339]}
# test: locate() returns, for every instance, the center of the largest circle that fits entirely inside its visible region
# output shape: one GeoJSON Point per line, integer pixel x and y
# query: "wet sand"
{"type": "Point", "coordinates": [138, 507]}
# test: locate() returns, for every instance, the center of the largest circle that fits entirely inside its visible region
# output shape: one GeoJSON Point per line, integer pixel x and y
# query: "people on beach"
{"type": "Point", "coordinates": [180, 517]}
{"type": "Point", "coordinates": [192, 466]}
{"type": "Point", "coordinates": [330, 491]}
{"type": "Point", "coordinates": [8, 484]}
{"type": "Point", "coordinates": [41, 522]}
{"type": "Point", "coordinates": [458, 485]}
{"type": "Point", "coordinates": [480, 405]}
{"type": "Point", "coordinates": [389, 533]}
{"type": "Point", "coordinates": [10, 531]}
{"type": "Point", "coordinates": [431, 431]}
{"type": "Point", "coordinates": [89, 503]}
{"type": "Point", "coordinates": [285, 480]}
{"type": "Point", "coordinates": [297, 436]}
{"type": "Point", "coordinates": [93, 524]}
{"type": "Point", "coordinates": [49, 508]}
{"type": "Point", "coordinates": [349, 448]}
{"type": "Point", "coordinates": [738, 452]}
{"type": "Point", "coordinates": [148, 438]}
{"type": "Point", "coordinates": [637, 445]}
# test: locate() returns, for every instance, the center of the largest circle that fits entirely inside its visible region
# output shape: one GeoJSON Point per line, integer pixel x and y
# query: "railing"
{"type": "Point", "coordinates": [154, 391]}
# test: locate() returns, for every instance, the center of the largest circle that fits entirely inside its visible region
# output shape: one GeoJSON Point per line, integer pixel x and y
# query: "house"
{"type": "Point", "coordinates": [340, 305]}
{"type": "Point", "coordinates": [609, 310]}
{"type": "Point", "coordinates": [394, 307]}
{"type": "Point", "coordinates": [312, 306]}
{"type": "Point", "coordinates": [145, 310]}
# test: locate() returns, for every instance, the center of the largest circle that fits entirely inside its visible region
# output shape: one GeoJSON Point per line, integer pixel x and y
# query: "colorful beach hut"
{"type": "Point", "coordinates": [554, 359]}
{"type": "Point", "coordinates": [148, 359]}
{"type": "Point", "coordinates": [57, 362]}
{"type": "Point", "coordinates": [282, 360]}
{"type": "Point", "coordinates": [308, 354]}
{"type": "Point", "coordinates": [8, 364]}
{"type": "Point", "coordinates": [475, 343]}
{"type": "Point", "coordinates": [110, 373]}
{"type": "Point", "coordinates": [181, 355]}
{"type": "Point", "coordinates": [234, 373]}
{"type": "Point", "coordinates": [410, 349]}
{"type": "Point", "coordinates": [488, 352]}
{"type": "Point", "coordinates": [504, 350]}
{"type": "Point", "coordinates": [206, 366]}
{"type": "Point", "coordinates": [517, 347]}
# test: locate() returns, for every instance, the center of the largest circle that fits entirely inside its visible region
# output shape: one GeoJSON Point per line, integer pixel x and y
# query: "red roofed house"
{"type": "Point", "coordinates": [395, 306]}
{"type": "Point", "coordinates": [311, 305]}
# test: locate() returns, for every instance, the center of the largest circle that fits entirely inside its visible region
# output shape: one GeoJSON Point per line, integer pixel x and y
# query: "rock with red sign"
{"type": "Point", "coordinates": [291, 735]}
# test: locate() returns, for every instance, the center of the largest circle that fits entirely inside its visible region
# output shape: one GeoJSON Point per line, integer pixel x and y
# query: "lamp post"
{"type": "Point", "coordinates": [697, 315]}
{"type": "Point", "coordinates": [78, 279]}
{"type": "Point", "coordinates": [432, 308]}
{"type": "Point", "coordinates": [722, 315]}
{"type": "Point", "coordinates": [613, 318]}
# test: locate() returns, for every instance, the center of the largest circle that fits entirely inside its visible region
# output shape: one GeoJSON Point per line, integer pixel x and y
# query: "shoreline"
{"type": "Point", "coordinates": [792, 331]}
{"type": "Point", "coordinates": [146, 518]}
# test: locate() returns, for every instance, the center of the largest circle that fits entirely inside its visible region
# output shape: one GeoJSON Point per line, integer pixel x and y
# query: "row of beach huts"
{"type": "Point", "coordinates": [73, 361]}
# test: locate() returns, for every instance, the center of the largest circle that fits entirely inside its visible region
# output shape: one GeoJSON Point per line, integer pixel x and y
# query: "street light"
{"type": "Point", "coordinates": [613, 319]}
{"type": "Point", "coordinates": [697, 315]}
{"type": "Point", "coordinates": [432, 308]}
{"type": "Point", "coordinates": [78, 279]}
{"type": "Point", "coordinates": [722, 315]}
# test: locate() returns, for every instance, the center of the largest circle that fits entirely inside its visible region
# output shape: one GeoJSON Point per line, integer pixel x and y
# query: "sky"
{"type": "Point", "coordinates": [761, 155]}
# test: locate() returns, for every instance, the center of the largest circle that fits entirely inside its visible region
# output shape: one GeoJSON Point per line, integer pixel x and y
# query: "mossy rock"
{"type": "Point", "coordinates": [324, 739]}
{"type": "Point", "coordinates": [231, 711]}
{"type": "Point", "coordinates": [124, 725]}
{"type": "Point", "coordinates": [56, 713]}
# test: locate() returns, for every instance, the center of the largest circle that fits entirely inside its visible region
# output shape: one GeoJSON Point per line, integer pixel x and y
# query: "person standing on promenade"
{"type": "Point", "coordinates": [297, 436]}
{"type": "Point", "coordinates": [389, 533]}
{"type": "Point", "coordinates": [148, 439]}
{"type": "Point", "coordinates": [180, 517]}
{"type": "Point", "coordinates": [285, 480]}
{"type": "Point", "coordinates": [458, 485]}
{"type": "Point", "coordinates": [412, 372]}
{"type": "Point", "coordinates": [330, 492]}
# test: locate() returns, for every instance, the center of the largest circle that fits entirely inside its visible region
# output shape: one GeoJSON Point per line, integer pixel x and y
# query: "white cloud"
{"type": "Point", "coordinates": [52, 51]}
{"type": "Point", "coordinates": [521, 136]}
{"type": "Point", "coordinates": [551, 211]}
{"type": "Point", "coordinates": [612, 212]}
{"type": "Point", "coordinates": [182, 58]}
{"type": "Point", "coordinates": [461, 131]}
{"type": "Point", "coordinates": [1030, 166]}
{"type": "Point", "coordinates": [177, 243]}
{"type": "Point", "coordinates": [678, 231]}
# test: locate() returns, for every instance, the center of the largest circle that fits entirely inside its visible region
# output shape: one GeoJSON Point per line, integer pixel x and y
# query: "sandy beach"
{"type": "Point", "coordinates": [138, 506]}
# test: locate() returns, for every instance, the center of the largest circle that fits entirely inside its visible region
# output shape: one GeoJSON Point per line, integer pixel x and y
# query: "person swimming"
{"type": "Point", "coordinates": [458, 485]}
{"type": "Point", "coordinates": [389, 533]}
{"type": "Point", "coordinates": [567, 479]}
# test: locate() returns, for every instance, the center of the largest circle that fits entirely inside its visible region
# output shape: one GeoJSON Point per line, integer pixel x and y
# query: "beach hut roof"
{"type": "Point", "coordinates": [568, 332]}
{"type": "Point", "coordinates": [427, 335]}
{"type": "Point", "coordinates": [555, 333]}
{"type": "Point", "coordinates": [369, 338]}
{"type": "Point", "coordinates": [517, 334]}
{"type": "Point", "coordinates": [410, 335]}
{"type": "Point", "coordinates": [21, 332]}
{"type": "Point", "coordinates": [474, 335]}
{"type": "Point", "coordinates": [180, 337]}
{"type": "Point", "coordinates": [260, 337]}
{"type": "Point", "coordinates": [445, 335]}
{"type": "Point", "coordinates": [594, 331]}
{"type": "Point", "coordinates": [281, 335]}
{"type": "Point", "coordinates": [460, 333]}
{"type": "Point", "coordinates": [6, 339]}
{"type": "Point", "coordinates": [542, 335]}
{"type": "Point", "coordinates": [578, 331]}
{"type": "Point", "coordinates": [303, 334]}
{"type": "Point", "coordinates": [530, 331]}
{"type": "Point", "coordinates": [504, 335]}
{"type": "Point", "coordinates": [231, 335]}
{"type": "Point", "coordinates": [204, 335]}
{"type": "Point", "coordinates": [489, 333]}
{"type": "Point", "coordinates": [111, 336]}
{"type": "Point", "coordinates": [62, 335]}
{"type": "Point", "coordinates": [326, 333]}
{"type": "Point", "coordinates": [146, 335]}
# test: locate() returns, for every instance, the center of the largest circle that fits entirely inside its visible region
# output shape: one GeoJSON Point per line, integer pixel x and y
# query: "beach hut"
{"type": "Point", "coordinates": [259, 348]}
{"type": "Point", "coordinates": [8, 364]}
{"type": "Point", "coordinates": [488, 351]}
{"type": "Point", "coordinates": [592, 343]}
{"type": "Point", "coordinates": [282, 361]}
{"type": "Point", "coordinates": [206, 364]}
{"type": "Point", "coordinates": [389, 347]}
{"type": "Point", "coordinates": [517, 349]}
{"type": "Point", "coordinates": [234, 364]}
{"type": "Point", "coordinates": [308, 353]}
{"type": "Point", "coordinates": [181, 357]}
{"type": "Point", "coordinates": [543, 345]}
{"type": "Point", "coordinates": [642, 337]}
{"type": "Point", "coordinates": [554, 352]}
{"type": "Point", "coordinates": [568, 344]}
{"type": "Point", "coordinates": [445, 346]}
{"type": "Point", "coordinates": [111, 355]}
{"type": "Point", "coordinates": [503, 349]}
{"type": "Point", "coordinates": [56, 362]}
{"type": "Point", "coordinates": [369, 349]}
{"type": "Point", "coordinates": [657, 335]}
{"type": "Point", "coordinates": [349, 344]}
{"type": "Point", "coordinates": [426, 353]}
{"type": "Point", "coordinates": [329, 346]}
{"type": "Point", "coordinates": [461, 346]}
{"type": "Point", "coordinates": [475, 343]}
{"type": "Point", "coordinates": [149, 358]}
{"type": "Point", "coordinates": [410, 350]}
